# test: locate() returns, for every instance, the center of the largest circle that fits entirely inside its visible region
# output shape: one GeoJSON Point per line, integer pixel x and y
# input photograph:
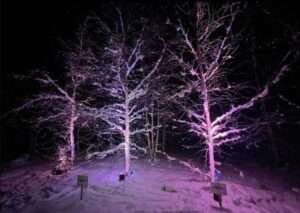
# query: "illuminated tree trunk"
{"type": "Point", "coordinates": [210, 51]}
{"type": "Point", "coordinates": [127, 138]}
{"type": "Point", "coordinates": [152, 124]}
{"type": "Point", "coordinates": [147, 124]}
{"type": "Point", "coordinates": [163, 144]}
{"type": "Point", "coordinates": [152, 133]}
{"type": "Point", "coordinates": [211, 161]}
{"type": "Point", "coordinates": [209, 139]}
{"type": "Point", "coordinates": [73, 119]}
{"type": "Point", "coordinates": [157, 131]}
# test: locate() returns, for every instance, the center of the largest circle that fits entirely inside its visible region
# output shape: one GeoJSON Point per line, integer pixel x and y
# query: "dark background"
{"type": "Point", "coordinates": [31, 34]}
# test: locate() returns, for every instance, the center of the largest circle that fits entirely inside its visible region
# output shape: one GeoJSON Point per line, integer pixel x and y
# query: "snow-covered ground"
{"type": "Point", "coordinates": [164, 186]}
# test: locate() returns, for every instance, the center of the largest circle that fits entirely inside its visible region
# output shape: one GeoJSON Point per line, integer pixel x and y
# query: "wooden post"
{"type": "Point", "coordinates": [218, 189]}
{"type": "Point", "coordinates": [82, 181]}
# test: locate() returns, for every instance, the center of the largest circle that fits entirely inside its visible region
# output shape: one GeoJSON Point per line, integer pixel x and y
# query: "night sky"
{"type": "Point", "coordinates": [32, 31]}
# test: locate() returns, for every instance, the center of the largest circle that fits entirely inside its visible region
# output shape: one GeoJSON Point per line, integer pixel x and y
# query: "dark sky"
{"type": "Point", "coordinates": [31, 28]}
{"type": "Point", "coordinates": [31, 31]}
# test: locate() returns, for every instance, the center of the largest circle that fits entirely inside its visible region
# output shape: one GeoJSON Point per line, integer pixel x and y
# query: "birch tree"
{"type": "Point", "coordinates": [204, 51]}
{"type": "Point", "coordinates": [81, 64]}
{"type": "Point", "coordinates": [57, 105]}
{"type": "Point", "coordinates": [128, 66]}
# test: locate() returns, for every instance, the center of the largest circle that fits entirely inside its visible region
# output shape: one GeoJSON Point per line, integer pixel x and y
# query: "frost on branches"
{"type": "Point", "coordinates": [128, 66]}
{"type": "Point", "coordinates": [203, 51]}
{"type": "Point", "coordinates": [57, 105]}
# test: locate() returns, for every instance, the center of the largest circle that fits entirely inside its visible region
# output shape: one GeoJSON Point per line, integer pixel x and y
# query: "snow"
{"type": "Point", "coordinates": [164, 186]}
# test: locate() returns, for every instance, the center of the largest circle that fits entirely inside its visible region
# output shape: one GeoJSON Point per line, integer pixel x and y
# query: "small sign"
{"type": "Point", "coordinates": [82, 181]}
{"type": "Point", "coordinates": [218, 198]}
{"type": "Point", "coordinates": [218, 188]}
{"type": "Point", "coordinates": [122, 177]}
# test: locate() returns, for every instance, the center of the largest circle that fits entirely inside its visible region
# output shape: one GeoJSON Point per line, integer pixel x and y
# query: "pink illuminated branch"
{"type": "Point", "coordinates": [203, 74]}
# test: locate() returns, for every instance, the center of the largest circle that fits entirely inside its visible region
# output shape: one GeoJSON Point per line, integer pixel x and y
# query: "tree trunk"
{"type": "Point", "coordinates": [163, 137]}
{"type": "Point", "coordinates": [127, 139]}
{"type": "Point", "coordinates": [152, 133]}
{"type": "Point", "coordinates": [71, 133]}
{"type": "Point", "coordinates": [157, 131]}
{"type": "Point", "coordinates": [211, 161]}
{"type": "Point", "coordinates": [148, 134]}
{"type": "Point", "coordinates": [209, 139]}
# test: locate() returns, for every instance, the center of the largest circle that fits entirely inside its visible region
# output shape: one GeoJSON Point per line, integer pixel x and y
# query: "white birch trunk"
{"type": "Point", "coordinates": [211, 161]}
{"type": "Point", "coordinates": [210, 141]}
{"type": "Point", "coordinates": [152, 133]}
{"type": "Point", "coordinates": [127, 138]}
{"type": "Point", "coordinates": [73, 119]}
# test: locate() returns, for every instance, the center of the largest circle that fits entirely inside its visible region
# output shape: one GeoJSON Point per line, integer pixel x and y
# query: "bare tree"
{"type": "Point", "coordinates": [128, 66]}
{"type": "Point", "coordinates": [153, 125]}
{"type": "Point", "coordinates": [81, 64]}
{"type": "Point", "coordinates": [159, 114]}
{"type": "Point", "coordinates": [57, 105]}
{"type": "Point", "coordinates": [203, 52]}
{"type": "Point", "coordinates": [273, 115]}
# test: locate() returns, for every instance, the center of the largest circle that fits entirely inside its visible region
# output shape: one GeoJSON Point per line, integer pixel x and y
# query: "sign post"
{"type": "Point", "coordinates": [82, 181]}
{"type": "Point", "coordinates": [218, 189]}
